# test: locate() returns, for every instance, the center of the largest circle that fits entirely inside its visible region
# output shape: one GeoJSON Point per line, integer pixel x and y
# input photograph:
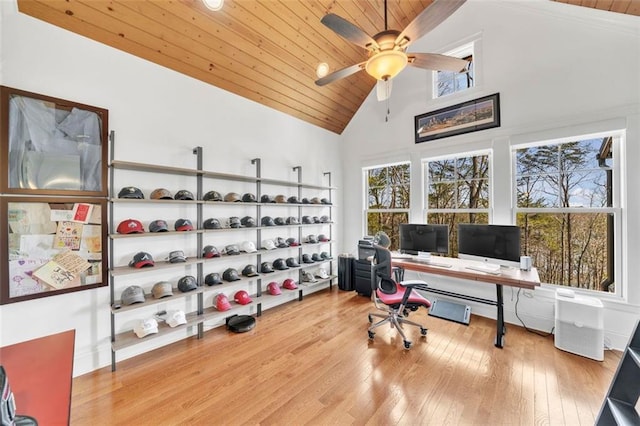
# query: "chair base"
{"type": "Point", "coordinates": [394, 319]}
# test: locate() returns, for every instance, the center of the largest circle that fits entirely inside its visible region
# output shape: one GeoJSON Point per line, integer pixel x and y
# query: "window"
{"type": "Point", "coordinates": [566, 206]}
{"type": "Point", "coordinates": [458, 191]}
{"type": "Point", "coordinates": [387, 191]}
{"type": "Point", "coordinates": [447, 82]}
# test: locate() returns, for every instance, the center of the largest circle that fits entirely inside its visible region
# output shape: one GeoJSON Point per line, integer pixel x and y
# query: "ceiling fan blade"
{"type": "Point", "coordinates": [383, 89]}
{"type": "Point", "coordinates": [337, 75]}
{"type": "Point", "coordinates": [429, 18]}
{"type": "Point", "coordinates": [436, 62]}
{"type": "Point", "coordinates": [348, 31]}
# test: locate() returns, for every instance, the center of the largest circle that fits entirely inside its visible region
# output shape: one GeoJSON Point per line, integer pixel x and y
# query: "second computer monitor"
{"type": "Point", "coordinates": [416, 237]}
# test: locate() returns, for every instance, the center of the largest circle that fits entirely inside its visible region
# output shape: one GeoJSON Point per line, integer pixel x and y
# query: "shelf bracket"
{"type": "Point", "coordinates": [299, 170]}
{"type": "Point", "coordinates": [256, 161]}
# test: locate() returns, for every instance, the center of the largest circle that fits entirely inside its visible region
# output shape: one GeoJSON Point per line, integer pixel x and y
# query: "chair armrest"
{"type": "Point", "coordinates": [415, 285]}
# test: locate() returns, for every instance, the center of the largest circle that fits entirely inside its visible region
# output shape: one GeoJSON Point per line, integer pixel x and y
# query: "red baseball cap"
{"type": "Point", "coordinates": [242, 297]}
{"type": "Point", "coordinates": [222, 302]}
{"type": "Point", "coordinates": [130, 226]}
{"type": "Point", "coordinates": [273, 288]}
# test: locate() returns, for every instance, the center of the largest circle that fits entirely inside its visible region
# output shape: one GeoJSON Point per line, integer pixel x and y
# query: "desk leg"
{"type": "Point", "coordinates": [499, 342]}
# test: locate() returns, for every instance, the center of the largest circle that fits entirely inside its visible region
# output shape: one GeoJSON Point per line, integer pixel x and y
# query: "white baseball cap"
{"type": "Point", "coordinates": [176, 318]}
{"type": "Point", "coordinates": [248, 246]}
{"type": "Point", "coordinates": [268, 244]}
{"type": "Point", "coordinates": [146, 327]}
{"type": "Point", "coordinates": [322, 273]}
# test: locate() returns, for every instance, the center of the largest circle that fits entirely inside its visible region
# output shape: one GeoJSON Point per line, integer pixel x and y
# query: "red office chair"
{"type": "Point", "coordinates": [397, 300]}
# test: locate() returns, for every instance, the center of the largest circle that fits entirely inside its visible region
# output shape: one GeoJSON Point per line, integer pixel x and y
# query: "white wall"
{"type": "Point", "coordinates": [560, 71]}
{"type": "Point", "coordinates": [159, 116]}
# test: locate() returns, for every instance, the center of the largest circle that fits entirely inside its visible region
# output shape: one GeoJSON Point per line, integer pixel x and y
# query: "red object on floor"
{"type": "Point", "coordinates": [40, 373]}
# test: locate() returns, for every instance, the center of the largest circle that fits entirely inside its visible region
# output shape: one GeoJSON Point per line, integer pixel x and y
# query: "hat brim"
{"type": "Point", "coordinates": [143, 263]}
{"type": "Point", "coordinates": [184, 228]}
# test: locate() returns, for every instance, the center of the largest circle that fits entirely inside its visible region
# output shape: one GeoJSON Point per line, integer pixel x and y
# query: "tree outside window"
{"type": "Point", "coordinates": [458, 191]}
{"type": "Point", "coordinates": [565, 208]}
{"type": "Point", "coordinates": [388, 194]}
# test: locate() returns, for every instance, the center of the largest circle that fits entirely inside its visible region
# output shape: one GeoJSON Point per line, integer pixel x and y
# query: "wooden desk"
{"type": "Point", "coordinates": [40, 374]}
{"type": "Point", "coordinates": [458, 269]}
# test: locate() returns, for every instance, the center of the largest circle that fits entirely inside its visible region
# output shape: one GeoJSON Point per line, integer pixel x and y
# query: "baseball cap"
{"type": "Point", "coordinates": [230, 275]}
{"type": "Point", "coordinates": [292, 262]}
{"type": "Point", "coordinates": [267, 221]}
{"type": "Point", "coordinates": [316, 257]}
{"type": "Point", "coordinates": [322, 273]}
{"type": "Point", "coordinates": [292, 220]}
{"type": "Point", "coordinates": [249, 198]}
{"type": "Point", "coordinates": [187, 283]}
{"type": "Point", "coordinates": [280, 199]}
{"type": "Point", "coordinates": [311, 238]}
{"type": "Point", "coordinates": [316, 219]}
{"type": "Point", "coordinates": [324, 219]}
{"type": "Point", "coordinates": [141, 259]}
{"type": "Point", "coordinates": [176, 318]}
{"type": "Point", "coordinates": [289, 284]}
{"type": "Point", "coordinates": [306, 258]}
{"type": "Point", "coordinates": [308, 277]}
{"type": "Point", "coordinates": [281, 242]}
{"type": "Point", "coordinates": [146, 327]}
{"type": "Point", "coordinates": [248, 221]}
{"type": "Point", "coordinates": [212, 223]}
{"type": "Point", "coordinates": [231, 249]}
{"type": "Point", "coordinates": [212, 196]}
{"type": "Point", "coordinates": [234, 222]}
{"type": "Point", "coordinates": [132, 294]}
{"type": "Point", "coordinates": [183, 225]}
{"type": "Point", "coordinates": [325, 201]}
{"type": "Point", "coordinates": [268, 244]}
{"type": "Point", "coordinates": [158, 225]}
{"type": "Point", "coordinates": [293, 200]}
{"type": "Point", "coordinates": [315, 200]}
{"type": "Point", "coordinates": [162, 289]}
{"type": "Point", "coordinates": [267, 199]}
{"type": "Point", "coordinates": [222, 302]}
{"type": "Point", "coordinates": [280, 264]}
{"type": "Point", "coordinates": [161, 194]}
{"type": "Point", "coordinates": [323, 238]}
{"type": "Point", "coordinates": [131, 192]}
{"type": "Point", "coordinates": [130, 226]}
{"type": "Point", "coordinates": [232, 197]}
{"type": "Point", "coordinates": [183, 194]}
{"type": "Point", "coordinates": [325, 256]}
{"type": "Point", "coordinates": [305, 201]}
{"type": "Point", "coordinates": [293, 242]}
{"type": "Point", "coordinates": [250, 271]}
{"type": "Point", "coordinates": [210, 251]}
{"type": "Point", "coordinates": [306, 219]}
{"type": "Point", "coordinates": [242, 297]}
{"type": "Point", "coordinates": [266, 268]}
{"type": "Point", "coordinates": [279, 221]}
{"type": "Point", "coordinates": [176, 256]}
{"type": "Point", "coordinates": [212, 279]}
{"type": "Point", "coordinates": [248, 247]}
{"type": "Point", "coordinates": [273, 288]}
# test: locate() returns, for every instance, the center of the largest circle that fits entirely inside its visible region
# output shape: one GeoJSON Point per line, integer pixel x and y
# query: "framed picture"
{"type": "Point", "coordinates": [51, 146]}
{"type": "Point", "coordinates": [51, 246]}
{"type": "Point", "coordinates": [471, 116]}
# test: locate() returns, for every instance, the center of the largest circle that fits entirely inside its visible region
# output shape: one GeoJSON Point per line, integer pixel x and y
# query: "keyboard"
{"type": "Point", "coordinates": [489, 269]}
{"type": "Point", "coordinates": [396, 255]}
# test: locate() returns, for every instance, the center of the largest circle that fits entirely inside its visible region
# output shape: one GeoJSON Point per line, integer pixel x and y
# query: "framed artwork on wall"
{"type": "Point", "coordinates": [470, 116]}
{"type": "Point", "coordinates": [51, 146]}
{"type": "Point", "coordinates": [51, 246]}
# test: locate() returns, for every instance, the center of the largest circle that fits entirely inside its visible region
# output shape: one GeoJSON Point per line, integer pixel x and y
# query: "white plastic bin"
{"type": "Point", "coordinates": [579, 325]}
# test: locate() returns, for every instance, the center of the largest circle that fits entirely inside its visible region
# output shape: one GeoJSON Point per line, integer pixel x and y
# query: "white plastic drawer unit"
{"type": "Point", "coordinates": [579, 325]}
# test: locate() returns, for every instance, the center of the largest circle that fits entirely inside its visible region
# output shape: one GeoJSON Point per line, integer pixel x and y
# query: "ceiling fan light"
{"type": "Point", "coordinates": [322, 69]}
{"type": "Point", "coordinates": [386, 64]}
{"type": "Point", "coordinates": [214, 5]}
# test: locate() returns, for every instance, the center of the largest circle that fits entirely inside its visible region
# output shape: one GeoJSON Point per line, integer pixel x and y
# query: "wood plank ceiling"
{"type": "Point", "coordinates": [266, 51]}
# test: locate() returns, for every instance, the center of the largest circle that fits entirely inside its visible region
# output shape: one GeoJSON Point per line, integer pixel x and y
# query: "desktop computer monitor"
{"type": "Point", "coordinates": [494, 244]}
{"type": "Point", "coordinates": [415, 237]}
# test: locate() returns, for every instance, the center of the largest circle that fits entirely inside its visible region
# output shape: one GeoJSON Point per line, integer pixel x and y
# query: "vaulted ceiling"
{"type": "Point", "coordinates": [266, 51]}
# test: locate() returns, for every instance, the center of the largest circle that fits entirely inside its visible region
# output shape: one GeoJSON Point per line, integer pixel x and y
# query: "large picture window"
{"type": "Point", "coordinates": [387, 191]}
{"type": "Point", "coordinates": [457, 191]}
{"type": "Point", "coordinates": [566, 205]}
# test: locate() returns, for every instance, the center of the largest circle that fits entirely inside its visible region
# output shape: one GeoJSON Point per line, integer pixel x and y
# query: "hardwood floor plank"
{"type": "Point", "coordinates": [311, 362]}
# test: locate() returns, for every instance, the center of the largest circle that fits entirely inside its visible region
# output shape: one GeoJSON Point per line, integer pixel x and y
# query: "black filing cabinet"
{"type": "Point", "coordinates": [363, 277]}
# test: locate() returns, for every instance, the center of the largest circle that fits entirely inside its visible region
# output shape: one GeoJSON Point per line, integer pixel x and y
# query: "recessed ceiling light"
{"type": "Point", "coordinates": [322, 69]}
{"type": "Point", "coordinates": [214, 5]}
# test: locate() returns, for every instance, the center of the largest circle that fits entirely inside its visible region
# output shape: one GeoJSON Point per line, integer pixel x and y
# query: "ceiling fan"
{"type": "Point", "coordinates": [387, 49]}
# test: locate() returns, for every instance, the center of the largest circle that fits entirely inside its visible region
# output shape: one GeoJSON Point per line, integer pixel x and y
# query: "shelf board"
{"type": "Point", "coordinates": [268, 301]}
{"type": "Point", "coordinates": [149, 300]}
{"type": "Point", "coordinates": [154, 234]}
{"type": "Point", "coordinates": [153, 168]}
{"type": "Point", "coordinates": [147, 201]}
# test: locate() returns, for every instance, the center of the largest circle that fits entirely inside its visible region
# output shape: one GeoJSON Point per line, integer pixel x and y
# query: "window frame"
{"type": "Point", "coordinates": [616, 210]}
{"type": "Point", "coordinates": [462, 51]}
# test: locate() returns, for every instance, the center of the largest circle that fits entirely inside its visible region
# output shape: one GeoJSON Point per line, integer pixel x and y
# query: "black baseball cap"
{"type": "Point", "coordinates": [249, 198]}
{"type": "Point", "coordinates": [266, 267]}
{"type": "Point", "coordinates": [212, 196]}
{"type": "Point", "coordinates": [212, 223]}
{"type": "Point", "coordinates": [131, 192]}
{"type": "Point", "coordinates": [230, 274]}
{"type": "Point", "coordinates": [183, 194]}
{"type": "Point", "coordinates": [250, 271]}
{"type": "Point", "coordinates": [212, 279]}
{"type": "Point", "coordinates": [280, 264]}
{"type": "Point", "coordinates": [187, 283]}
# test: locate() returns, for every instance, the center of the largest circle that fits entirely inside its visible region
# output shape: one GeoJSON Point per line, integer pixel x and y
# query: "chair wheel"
{"type": "Point", "coordinates": [370, 319]}
{"type": "Point", "coordinates": [407, 344]}
{"type": "Point", "coordinates": [423, 331]}
{"type": "Point", "coordinates": [371, 335]}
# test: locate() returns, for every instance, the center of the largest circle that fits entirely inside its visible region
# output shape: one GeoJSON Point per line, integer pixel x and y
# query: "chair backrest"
{"type": "Point", "coordinates": [381, 271]}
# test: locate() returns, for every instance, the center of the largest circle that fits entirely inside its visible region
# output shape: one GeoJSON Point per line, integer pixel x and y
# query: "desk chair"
{"type": "Point", "coordinates": [396, 299]}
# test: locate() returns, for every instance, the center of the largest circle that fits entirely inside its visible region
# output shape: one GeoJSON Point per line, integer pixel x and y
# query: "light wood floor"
{"type": "Point", "coordinates": [311, 362]}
